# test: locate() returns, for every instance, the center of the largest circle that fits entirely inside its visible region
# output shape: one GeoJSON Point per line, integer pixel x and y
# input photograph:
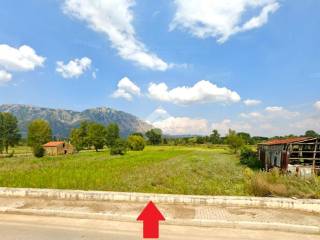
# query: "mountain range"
{"type": "Point", "coordinates": [62, 121]}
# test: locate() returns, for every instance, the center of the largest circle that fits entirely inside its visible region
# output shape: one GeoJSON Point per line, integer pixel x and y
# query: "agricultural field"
{"type": "Point", "coordinates": [196, 170]}
{"type": "Point", "coordinates": [159, 169]}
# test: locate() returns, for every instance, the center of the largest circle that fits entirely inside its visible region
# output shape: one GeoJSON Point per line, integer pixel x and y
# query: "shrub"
{"type": "Point", "coordinates": [234, 141]}
{"type": "Point", "coordinates": [119, 147]}
{"type": "Point", "coordinates": [266, 184]}
{"type": "Point", "coordinates": [38, 151]}
{"type": "Point", "coordinates": [10, 155]}
{"type": "Point", "coordinates": [136, 143]}
{"type": "Point", "coordinates": [249, 158]}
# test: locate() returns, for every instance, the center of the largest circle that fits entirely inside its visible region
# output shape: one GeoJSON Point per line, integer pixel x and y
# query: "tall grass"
{"type": "Point", "coordinates": [275, 184]}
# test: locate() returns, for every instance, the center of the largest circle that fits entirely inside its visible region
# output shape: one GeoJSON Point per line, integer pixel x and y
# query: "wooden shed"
{"type": "Point", "coordinates": [58, 148]}
{"type": "Point", "coordinates": [300, 155]}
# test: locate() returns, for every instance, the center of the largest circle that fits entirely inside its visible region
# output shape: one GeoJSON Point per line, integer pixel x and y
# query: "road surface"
{"type": "Point", "coordinates": [22, 227]}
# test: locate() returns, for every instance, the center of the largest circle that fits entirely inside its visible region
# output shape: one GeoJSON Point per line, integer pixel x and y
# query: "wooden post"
{"type": "Point", "coordinates": [314, 157]}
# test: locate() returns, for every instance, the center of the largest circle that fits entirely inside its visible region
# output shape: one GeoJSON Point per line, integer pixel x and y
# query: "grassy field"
{"type": "Point", "coordinates": [181, 170]}
{"type": "Point", "coordinates": [161, 169]}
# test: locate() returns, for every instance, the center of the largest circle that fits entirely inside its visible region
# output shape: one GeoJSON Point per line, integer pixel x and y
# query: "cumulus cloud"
{"type": "Point", "coordinates": [202, 92]}
{"type": "Point", "coordinates": [183, 126]}
{"type": "Point", "coordinates": [5, 77]}
{"type": "Point", "coordinates": [160, 118]}
{"type": "Point", "coordinates": [270, 113]}
{"type": "Point", "coordinates": [23, 58]}
{"type": "Point", "coordinates": [74, 68]}
{"type": "Point", "coordinates": [221, 19]}
{"type": "Point", "coordinates": [226, 124]}
{"type": "Point", "coordinates": [126, 89]}
{"type": "Point", "coordinates": [158, 115]}
{"type": "Point", "coordinates": [251, 102]}
{"type": "Point", "coordinates": [317, 105]}
{"type": "Point", "coordinates": [254, 115]}
{"type": "Point", "coordinates": [276, 111]}
{"type": "Point", "coordinates": [277, 120]}
{"type": "Point", "coordinates": [307, 123]}
{"type": "Point", "coordinates": [114, 18]}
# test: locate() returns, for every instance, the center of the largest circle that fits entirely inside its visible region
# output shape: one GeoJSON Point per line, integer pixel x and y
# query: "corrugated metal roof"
{"type": "Point", "coordinates": [53, 144]}
{"type": "Point", "coordinates": [285, 141]}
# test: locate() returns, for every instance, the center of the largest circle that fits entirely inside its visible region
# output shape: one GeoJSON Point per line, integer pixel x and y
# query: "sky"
{"type": "Point", "coordinates": [186, 66]}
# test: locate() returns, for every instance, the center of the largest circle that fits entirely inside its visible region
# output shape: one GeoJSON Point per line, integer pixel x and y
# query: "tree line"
{"type": "Point", "coordinates": [97, 136]}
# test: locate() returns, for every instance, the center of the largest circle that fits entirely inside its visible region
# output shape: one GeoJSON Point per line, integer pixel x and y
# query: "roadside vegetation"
{"type": "Point", "coordinates": [149, 162]}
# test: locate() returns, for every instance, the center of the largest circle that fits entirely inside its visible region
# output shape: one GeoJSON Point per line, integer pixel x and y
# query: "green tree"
{"type": "Point", "coordinates": [234, 141]}
{"type": "Point", "coordinates": [97, 135]}
{"type": "Point", "coordinates": [39, 133]}
{"type": "Point", "coordinates": [9, 131]}
{"type": "Point", "coordinates": [137, 134]}
{"type": "Point", "coordinates": [119, 147]}
{"type": "Point", "coordinates": [112, 134]}
{"type": "Point", "coordinates": [245, 137]}
{"type": "Point", "coordinates": [311, 133]}
{"type": "Point", "coordinates": [75, 138]}
{"type": "Point", "coordinates": [200, 140]}
{"type": "Point", "coordinates": [154, 136]}
{"type": "Point", "coordinates": [79, 136]}
{"type": "Point", "coordinates": [136, 143]}
{"type": "Point", "coordinates": [215, 137]}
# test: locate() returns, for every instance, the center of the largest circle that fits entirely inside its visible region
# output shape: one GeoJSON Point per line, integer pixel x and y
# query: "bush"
{"type": "Point", "coordinates": [234, 141]}
{"type": "Point", "coordinates": [249, 158]}
{"type": "Point", "coordinates": [267, 184]}
{"type": "Point", "coordinates": [38, 151]}
{"type": "Point", "coordinates": [119, 147]}
{"type": "Point", "coordinates": [136, 143]}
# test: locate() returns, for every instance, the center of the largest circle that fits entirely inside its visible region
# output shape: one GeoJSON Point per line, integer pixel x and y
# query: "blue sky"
{"type": "Point", "coordinates": [186, 66]}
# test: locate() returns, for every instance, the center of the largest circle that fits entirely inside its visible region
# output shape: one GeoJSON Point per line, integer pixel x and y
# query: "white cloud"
{"type": "Point", "coordinates": [308, 123]}
{"type": "Point", "coordinates": [94, 75]}
{"type": "Point", "coordinates": [202, 92]}
{"type": "Point", "coordinates": [126, 89]}
{"type": "Point", "coordinates": [160, 118]}
{"type": "Point", "coordinates": [23, 58]}
{"type": "Point", "coordinates": [183, 126]}
{"type": "Point", "coordinates": [224, 126]}
{"type": "Point", "coordinates": [251, 102]}
{"type": "Point", "coordinates": [254, 115]}
{"type": "Point", "coordinates": [317, 105]}
{"type": "Point", "coordinates": [114, 19]}
{"type": "Point", "coordinates": [5, 77]}
{"type": "Point", "coordinates": [270, 113]}
{"type": "Point", "coordinates": [276, 121]}
{"type": "Point", "coordinates": [74, 68]}
{"type": "Point", "coordinates": [276, 111]}
{"type": "Point", "coordinates": [221, 18]}
{"type": "Point", "coordinates": [158, 115]}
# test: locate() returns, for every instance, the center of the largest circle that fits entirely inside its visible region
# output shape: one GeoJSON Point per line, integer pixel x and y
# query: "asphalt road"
{"type": "Point", "coordinates": [18, 227]}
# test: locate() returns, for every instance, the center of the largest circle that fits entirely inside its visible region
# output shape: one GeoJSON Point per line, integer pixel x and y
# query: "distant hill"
{"type": "Point", "coordinates": [62, 121]}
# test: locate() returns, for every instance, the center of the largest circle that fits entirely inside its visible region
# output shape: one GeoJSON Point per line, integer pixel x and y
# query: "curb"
{"type": "Point", "coordinates": [195, 223]}
{"type": "Point", "coordinates": [309, 205]}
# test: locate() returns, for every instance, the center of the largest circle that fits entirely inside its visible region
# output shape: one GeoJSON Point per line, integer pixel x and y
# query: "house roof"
{"type": "Point", "coordinates": [285, 141]}
{"type": "Point", "coordinates": [53, 144]}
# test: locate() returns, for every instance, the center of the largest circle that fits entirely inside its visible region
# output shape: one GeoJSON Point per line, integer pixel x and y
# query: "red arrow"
{"type": "Point", "coordinates": [150, 216]}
